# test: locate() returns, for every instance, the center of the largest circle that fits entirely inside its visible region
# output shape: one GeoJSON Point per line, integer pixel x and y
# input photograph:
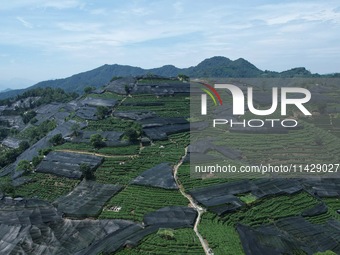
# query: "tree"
{"type": "Point", "coordinates": [166, 233]}
{"type": "Point", "coordinates": [183, 77]}
{"type": "Point", "coordinates": [24, 165]}
{"type": "Point", "coordinates": [34, 120]}
{"type": "Point", "coordinates": [7, 188]}
{"type": "Point", "coordinates": [102, 111]}
{"type": "Point", "coordinates": [27, 116]}
{"type": "Point", "coordinates": [127, 89]}
{"type": "Point", "coordinates": [44, 152]}
{"type": "Point", "coordinates": [24, 145]}
{"type": "Point", "coordinates": [87, 171]}
{"type": "Point", "coordinates": [57, 140]}
{"type": "Point", "coordinates": [133, 133]}
{"type": "Point", "coordinates": [36, 160]}
{"type": "Point", "coordinates": [97, 141]}
{"type": "Point", "coordinates": [88, 89]}
{"type": "Point", "coordinates": [75, 128]}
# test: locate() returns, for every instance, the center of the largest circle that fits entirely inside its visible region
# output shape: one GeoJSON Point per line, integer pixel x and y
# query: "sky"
{"type": "Point", "coordinates": [49, 39]}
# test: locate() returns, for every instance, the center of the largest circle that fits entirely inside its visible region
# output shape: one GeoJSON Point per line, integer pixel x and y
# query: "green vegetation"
{"type": "Point", "coordinates": [325, 253]}
{"type": "Point", "coordinates": [123, 164]}
{"type": "Point", "coordinates": [35, 133]}
{"type": "Point", "coordinates": [97, 141]}
{"type": "Point", "coordinates": [28, 116]}
{"type": "Point", "coordinates": [10, 155]}
{"type": "Point", "coordinates": [269, 209]}
{"type": "Point", "coordinates": [87, 171]}
{"type": "Point", "coordinates": [184, 241]}
{"type": "Point", "coordinates": [133, 133]}
{"type": "Point", "coordinates": [248, 198]}
{"type": "Point", "coordinates": [75, 128]}
{"type": "Point", "coordinates": [102, 112]}
{"type": "Point", "coordinates": [222, 239]}
{"type": "Point", "coordinates": [46, 186]}
{"type": "Point", "coordinates": [166, 233]}
{"type": "Point", "coordinates": [221, 234]}
{"type": "Point", "coordinates": [333, 205]}
{"type": "Point", "coordinates": [327, 122]}
{"type": "Point", "coordinates": [57, 140]}
{"type": "Point", "coordinates": [190, 183]}
{"type": "Point", "coordinates": [135, 201]}
{"type": "Point", "coordinates": [36, 160]}
{"type": "Point", "coordinates": [183, 77]}
{"type": "Point", "coordinates": [42, 96]}
{"type": "Point", "coordinates": [24, 165]}
{"type": "Point", "coordinates": [109, 124]}
{"type": "Point", "coordinates": [107, 95]}
{"type": "Point", "coordinates": [44, 152]}
{"type": "Point", "coordinates": [89, 89]}
{"type": "Point", "coordinates": [7, 188]}
{"type": "Point", "coordinates": [170, 106]}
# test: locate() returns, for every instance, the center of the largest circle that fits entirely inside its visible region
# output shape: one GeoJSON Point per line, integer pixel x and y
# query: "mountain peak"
{"type": "Point", "coordinates": [224, 67]}
{"type": "Point", "coordinates": [215, 61]}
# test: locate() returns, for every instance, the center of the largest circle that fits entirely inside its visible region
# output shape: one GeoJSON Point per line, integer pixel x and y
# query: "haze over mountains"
{"type": "Point", "coordinates": [211, 67]}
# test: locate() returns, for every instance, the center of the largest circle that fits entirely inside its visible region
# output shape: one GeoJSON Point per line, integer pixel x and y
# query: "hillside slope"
{"type": "Point", "coordinates": [218, 67]}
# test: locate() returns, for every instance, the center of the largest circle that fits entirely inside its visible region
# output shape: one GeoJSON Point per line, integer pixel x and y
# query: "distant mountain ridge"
{"type": "Point", "coordinates": [5, 90]}
{"type": "Point", "coordinates": [212, 67]}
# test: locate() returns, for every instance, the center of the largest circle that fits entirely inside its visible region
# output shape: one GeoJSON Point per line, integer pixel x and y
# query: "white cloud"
{"type": "Point", "coordinates": [79, 26]}
{"type": "Point", "coordinates": [284, 13]}
{"type": "Point", "coordinates": [36, 4]}
{"type": "Point", "coordinates": [153, 33]}
{"type": "Point", "coordinates": [63, 4]}
{"type": "Point", "coordinates": [24, 22]}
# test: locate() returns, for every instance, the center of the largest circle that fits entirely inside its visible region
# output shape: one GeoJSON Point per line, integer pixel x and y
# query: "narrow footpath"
{"type": "Point", "coordinates": [98, 154]}
{"type": "Point", "coordinates": [200, 210]}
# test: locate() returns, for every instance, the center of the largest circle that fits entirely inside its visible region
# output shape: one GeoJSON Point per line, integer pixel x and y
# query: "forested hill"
{"type": "Point", "coordinates": [212, 67]}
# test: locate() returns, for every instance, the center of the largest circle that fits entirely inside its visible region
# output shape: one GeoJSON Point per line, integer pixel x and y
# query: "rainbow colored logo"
{"type": "Point", "coordinates": [210, 91]}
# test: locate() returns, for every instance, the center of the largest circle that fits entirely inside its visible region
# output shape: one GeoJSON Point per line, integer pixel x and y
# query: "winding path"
{"type": "Point", "coordinates": [200, 210]}
{"type": "Point", "coordinates": [98, 154]}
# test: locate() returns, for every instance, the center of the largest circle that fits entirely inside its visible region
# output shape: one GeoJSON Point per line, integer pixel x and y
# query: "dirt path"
{"type": "Point", "coordinates": [200, 210]}
{"type": "Point", "coordinates": [99, 154]}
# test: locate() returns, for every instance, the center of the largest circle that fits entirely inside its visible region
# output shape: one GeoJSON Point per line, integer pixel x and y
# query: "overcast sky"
{"type": "Point", "coordinates": [48, 39]}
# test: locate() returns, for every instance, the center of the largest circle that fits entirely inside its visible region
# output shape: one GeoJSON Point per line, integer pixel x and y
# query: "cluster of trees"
{"type": "Point", "coordinates": [57, 140]}
{"type": "Point", "coordinates": [34, 134]}
{"type": "Point", "coordinates": [133, 132]}
{"type": "Point", "coordinates": [28, 166]}
{"type": "Point", "coordinates": [97, 141]}
{"type": "Point", "coordinates": [87, 171]}
{"type": "Point", "coordinates": [183, 77]}
{"type": "Point", "coordinates": [89, 89]}
{"type": "Point", "coordinates": [28, 116]}
{"type": "Point", "coordinates": [102, 112]}
{"type": "Point", "coordinates": [7, 188]}
{"type": "Point", "coordinates": [10, 156]}
{"type": "Point", "coordinates": [47, 95]}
